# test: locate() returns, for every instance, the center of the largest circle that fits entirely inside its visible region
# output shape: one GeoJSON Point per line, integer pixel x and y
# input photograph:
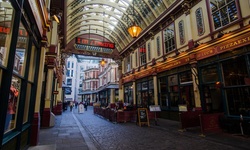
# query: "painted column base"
{"type": "Point", "coordinates": [58, 109]}
{"type": "Point", "coordinates": [46, 118]}
{"type": "Point", "coordinates": [35, 128]}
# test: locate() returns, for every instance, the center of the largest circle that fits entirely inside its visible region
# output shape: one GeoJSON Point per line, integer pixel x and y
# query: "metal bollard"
{"type": "Point", "coordinates": [241, 121]}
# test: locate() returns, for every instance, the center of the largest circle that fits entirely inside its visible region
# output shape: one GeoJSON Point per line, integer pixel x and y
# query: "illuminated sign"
{"type": "Point", "coordinates": [95, 43]}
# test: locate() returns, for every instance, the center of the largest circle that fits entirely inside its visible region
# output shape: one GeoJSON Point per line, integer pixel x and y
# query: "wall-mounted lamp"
{"type": "Point", "coordinates": [220, 34]}
{"type": "Point", "coordinates": [134, 30]}
{"type": "Point", "coordinates": [57, 18]}
{"type": "Point", "coordinates": [196, 44]}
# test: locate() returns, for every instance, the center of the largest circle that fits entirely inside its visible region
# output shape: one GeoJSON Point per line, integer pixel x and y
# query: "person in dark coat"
{"type": "Point", "coordinates": [85, 105]}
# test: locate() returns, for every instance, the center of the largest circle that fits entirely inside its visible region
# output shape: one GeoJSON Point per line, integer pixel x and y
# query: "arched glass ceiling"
{"type": "Point", "coordinates": [110, 18]}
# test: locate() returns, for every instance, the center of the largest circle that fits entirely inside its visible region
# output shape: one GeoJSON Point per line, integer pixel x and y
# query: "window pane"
{"type": "Point", "coordinates": [238, 102]}
{"type": "Point", "coordinates": [169, 38]}
{"type": "Point", "coordinates": [209, 74]}
{"type": "Point", "coordinates": [27, 104]}
{"type": "Point", "coordinates": [21, 51]}
{"type": "Point", "coordinates": [223, 12]}
{"type": "Point", "coordinates": [6, 22]}
{"type": "Point", "coordinates": [12, 110]}
{"type": "Point", "coordinates": [235, 71]}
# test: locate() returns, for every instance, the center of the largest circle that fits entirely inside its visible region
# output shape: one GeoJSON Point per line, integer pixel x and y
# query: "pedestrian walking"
{"type": "Point", "coordinates": [85, 105]}
{"type": "Point", "coordinates": [71, 106]}
{"type": "Point", "coordinates": [76, 105]}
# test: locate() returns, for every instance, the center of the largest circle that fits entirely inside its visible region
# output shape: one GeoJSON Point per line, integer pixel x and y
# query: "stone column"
{"type": "Point", "coordinates": [195, 85]}
{"type": "Point", "coordinates": [155, 89]}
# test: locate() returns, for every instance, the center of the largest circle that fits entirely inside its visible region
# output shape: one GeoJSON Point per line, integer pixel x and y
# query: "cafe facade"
{"type": "Point", "coordinates": [202, 64]}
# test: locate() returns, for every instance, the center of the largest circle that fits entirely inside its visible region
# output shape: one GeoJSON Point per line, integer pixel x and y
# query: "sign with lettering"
{"type": "Point", "coordinates": [93, 48]}
{"type": "Point", "coordinates": [96, 43]}
{"type": "Point", "coordinates": [143, 116]}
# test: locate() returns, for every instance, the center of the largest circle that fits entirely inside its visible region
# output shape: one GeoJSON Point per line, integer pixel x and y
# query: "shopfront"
{"type": "Point", "coordinates": [225, 85]}
{"type": "Point", "coordinates": [145, 92]}
{"type": "Point", "coordinates": [20, 52]}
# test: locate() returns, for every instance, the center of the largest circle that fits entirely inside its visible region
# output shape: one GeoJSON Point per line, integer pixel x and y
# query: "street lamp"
{"type": "Point", "coordinates": [134, 30]}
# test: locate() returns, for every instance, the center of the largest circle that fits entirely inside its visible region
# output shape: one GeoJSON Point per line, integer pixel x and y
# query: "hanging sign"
{"type": "Point", "coordinates": [95, 43]}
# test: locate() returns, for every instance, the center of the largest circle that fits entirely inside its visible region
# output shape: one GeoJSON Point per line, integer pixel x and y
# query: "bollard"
{"type": "Point", "coordinates": [241, 121]}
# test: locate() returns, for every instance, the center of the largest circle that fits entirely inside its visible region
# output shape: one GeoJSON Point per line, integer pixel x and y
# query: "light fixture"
{"type": "Point", "coordinates": [134, 30]}
{"type": "Point", "coordinates": [220, 34]}
{"type": "Point", "coordinates": [103, 62]}
{"type": "Point", "coordinates": [57, 18]}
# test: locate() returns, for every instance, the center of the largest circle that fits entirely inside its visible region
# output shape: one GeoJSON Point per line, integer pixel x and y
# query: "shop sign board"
{"type": "Point", "coordinates": [143, 116]}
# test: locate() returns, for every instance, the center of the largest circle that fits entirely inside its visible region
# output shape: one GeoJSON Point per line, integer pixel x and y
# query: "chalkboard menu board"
{"type": "Point", "coordinates": [143, 116]}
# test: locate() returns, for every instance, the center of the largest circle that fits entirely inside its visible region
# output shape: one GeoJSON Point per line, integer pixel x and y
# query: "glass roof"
{"type": "Point", "coordinates": [111, 18]}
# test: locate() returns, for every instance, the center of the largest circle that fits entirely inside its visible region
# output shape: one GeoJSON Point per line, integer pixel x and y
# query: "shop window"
{"type": "Point", "coordinates": [158, 46]}
{"type": "Point", "coordinates": [21, 51]}
{"type": "Point", "coordinates": [209, 74]}
{"type": "Point", "coordinates": [181, 32]}
{"type": "Point", "coordinates": [6, 22]}
{"type": "Point", "coordinates": [151, 93]}
{"type": "Point", "coordinates": [223, 12]}
{"type": "Point", "coordinates": [199, 21]}
{"type": "Point", "coordinates": [142, 52]}
{"type": "Point", "coordinates": [235, 71]}
{"type": "Point", "coordinates": [169, 38]}
{"type": "Point", "coordinates": [128, 95]}
{"type": "Point", "coordinates": [173, 90]}
{"type": "Point", "coordinates": [13, 102]}
{"type": "Point", "coordinates": [238, 101]}
{"type": "Point", "coordinates": [163, 91]}
{"type": "Point", "coordinates": [139, 100]}
{"type": "Point", "coordinates": [186, 77]}
{"type": "Point", "coordinates": [27, 103]}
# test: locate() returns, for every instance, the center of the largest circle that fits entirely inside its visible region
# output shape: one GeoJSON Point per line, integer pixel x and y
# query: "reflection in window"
{"type": "Point", "coordinates": [6, 21]}
{"type": "Point", "coordinates": [13, 101]}
{"type": "Point", "coordinates": [21, 48]}
{"type": "Point", "coordinates": [239, 101]}
{"type": "Point", "coordinates": [199, 21]}
{"type": "Point", "coordinates": [209, 74]}
{"type": "Point", "coordinates": [223, 12]}
{"type": "Point", "coordinates": [235, 71]}
{"type": "Point", "coordinates": [169, 38]}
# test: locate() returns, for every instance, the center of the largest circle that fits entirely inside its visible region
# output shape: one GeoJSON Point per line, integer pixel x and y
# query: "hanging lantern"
{"type": "Point", "coordinates": [134, 31]}
{"type": "Point", "coordinates": [103, 62]}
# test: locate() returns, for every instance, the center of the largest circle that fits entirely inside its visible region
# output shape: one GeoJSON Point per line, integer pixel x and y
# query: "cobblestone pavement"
{"type": "Point", "coordinates": [87, 131]}
{"type": "Point", "coordinates": [119, 136]}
